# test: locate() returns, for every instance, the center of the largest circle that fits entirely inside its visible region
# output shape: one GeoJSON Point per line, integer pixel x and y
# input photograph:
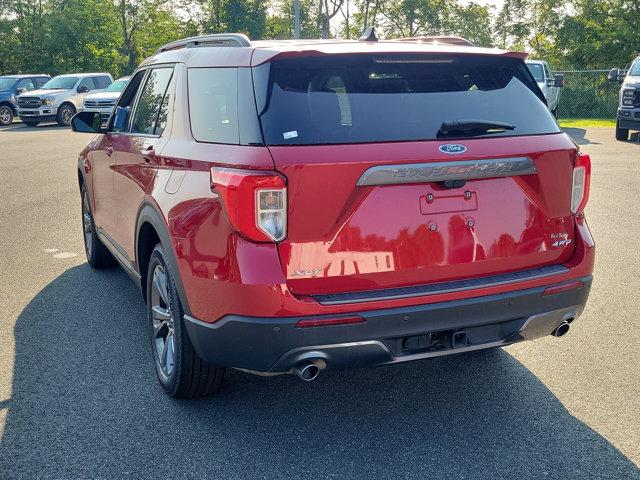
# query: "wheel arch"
{"type": "Point", "coordinates": [13, 108]}
{"type": "Point", "coordinates": [69, 103]}
{"type": "Point", "coordinates": [152, 229]}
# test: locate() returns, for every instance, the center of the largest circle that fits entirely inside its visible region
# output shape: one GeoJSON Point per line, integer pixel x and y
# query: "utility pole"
{"type": "Point", "coordinates": [296, 18]}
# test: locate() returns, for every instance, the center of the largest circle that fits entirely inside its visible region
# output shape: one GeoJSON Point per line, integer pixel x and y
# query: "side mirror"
{"type": "Point", "coordinates": [83, 89]}
{"type": "Point", "coordinates": [20, 90]}
{"type": "Point", "coordinates": [87, 122]}
{"type": "Point", "coordinates": [558, 80]}
{"type": "Point", "coordinates": [614, 73]}
{"type": "Point", "coordinates": [621, 74]}
{"type": "Point", "coordinates": [120, 118]}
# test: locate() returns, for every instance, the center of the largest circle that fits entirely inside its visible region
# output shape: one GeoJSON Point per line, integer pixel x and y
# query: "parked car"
{"type": "Point", "coordinates": [60, 98]}
{"type": "Point", "coordinates": [13, 85]}
{"type": "Point", "coordinates": [628, 115]}
{"type": "Point", "coordinates": [290, 207]}
{"type": "Point", "coordinates": [105, 102]}
{"type": "Point", "coordinates": [550, 85]}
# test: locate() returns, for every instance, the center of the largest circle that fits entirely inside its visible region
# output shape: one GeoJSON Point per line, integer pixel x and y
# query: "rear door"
{"type": "Point", "coordinates": [381, 195]}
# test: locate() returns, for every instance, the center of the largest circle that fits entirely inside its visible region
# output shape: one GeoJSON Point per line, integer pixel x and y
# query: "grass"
{"type": "Point", "coordinates": [586, 122]}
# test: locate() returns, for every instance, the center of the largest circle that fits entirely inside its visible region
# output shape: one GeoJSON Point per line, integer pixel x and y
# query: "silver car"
{"type": "Point", "coordinates": [60, 98]}
{"type": "Point", "coordinates": [105, 102]}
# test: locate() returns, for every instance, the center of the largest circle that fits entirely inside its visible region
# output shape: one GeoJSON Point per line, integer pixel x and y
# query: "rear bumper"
{"type": "Point", "coordinates": [388, 335]}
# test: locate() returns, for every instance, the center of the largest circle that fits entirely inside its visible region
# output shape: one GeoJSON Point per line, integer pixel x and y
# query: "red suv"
{"type": "Point", "coordinates": [295, 206]}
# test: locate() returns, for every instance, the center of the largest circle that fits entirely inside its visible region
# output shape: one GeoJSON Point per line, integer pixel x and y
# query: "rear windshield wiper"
{"type": "Point", "coordinates": [474, 126]}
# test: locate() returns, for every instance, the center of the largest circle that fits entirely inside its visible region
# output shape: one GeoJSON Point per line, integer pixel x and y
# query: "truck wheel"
{"type": "Point", "coordinates": [65, 114]}
{"type": "Point", "coordinates": [98, 256]}
{"type": "Point", "coordinates": [622, 134]}
{"type": "Point", "coordinates": [30, 124]}
{"type": "Point", "coordinates": [182, 373]}
{"type": "Point", "coordinates": [6, 115]}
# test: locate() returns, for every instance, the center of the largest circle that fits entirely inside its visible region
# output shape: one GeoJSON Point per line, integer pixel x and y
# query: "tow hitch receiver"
{"type": "Point", "coordinates": [436, 341]}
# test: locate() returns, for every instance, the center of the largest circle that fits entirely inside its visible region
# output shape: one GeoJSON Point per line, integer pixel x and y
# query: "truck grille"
{"type": "Point", "coordinates": [29, 102]}
{"type": "Point", "coordinates": [99, 103]}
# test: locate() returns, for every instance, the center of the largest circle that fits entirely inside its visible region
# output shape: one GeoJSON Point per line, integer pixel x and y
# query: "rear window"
{"type": "Point", "coordinates": [367, 98]}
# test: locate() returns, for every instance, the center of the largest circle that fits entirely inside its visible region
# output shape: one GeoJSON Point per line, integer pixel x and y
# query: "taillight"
{"type": "Point", "coordinates": [256, 202]}
{"type": "Point", "coordinates": [581, 182]}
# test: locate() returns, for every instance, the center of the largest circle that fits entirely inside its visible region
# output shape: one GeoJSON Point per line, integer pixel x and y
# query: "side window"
{"type": "Point", "coordinates": [213, 104]}
{"type": "Point", "coordinates": [89, 83]}
{"type": "Point", "coordinates": [40, 81]}
{"type": "Point", "coordinates": [150, 114]}
{"type": "Point", "coordinates": [546, 71]}
{"type": "Point", "coordinates": [102, 82]}
{"type": "Point", "coordinates": [26, 83]}
{"type": "Point", "coordinates": [119, 121]}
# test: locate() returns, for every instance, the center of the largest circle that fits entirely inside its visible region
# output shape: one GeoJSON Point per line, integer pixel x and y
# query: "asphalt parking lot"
{"type": "Point", "coordinates": [79, 398]}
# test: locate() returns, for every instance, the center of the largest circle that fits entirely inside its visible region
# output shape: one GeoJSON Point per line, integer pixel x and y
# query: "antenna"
{"type": "Point", "coordinates": [369, 35]}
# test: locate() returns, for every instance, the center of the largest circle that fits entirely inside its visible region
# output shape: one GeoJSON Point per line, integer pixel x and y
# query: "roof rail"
{"type": "Point", "coordinates": [438, 40]}
{"type": "Point", "coordinates": [213, 40]}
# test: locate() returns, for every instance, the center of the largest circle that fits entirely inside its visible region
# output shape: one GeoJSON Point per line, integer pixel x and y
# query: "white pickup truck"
{"type": "Point", "coordinates": [549, 85]}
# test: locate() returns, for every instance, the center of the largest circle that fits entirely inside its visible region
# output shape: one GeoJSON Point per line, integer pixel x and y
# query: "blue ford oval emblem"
{"type": "Point", "coordinates": [452, 148]}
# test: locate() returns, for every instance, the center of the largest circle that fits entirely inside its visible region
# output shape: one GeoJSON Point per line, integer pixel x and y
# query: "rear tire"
{"type": "Point", "coordinates": [30, 124]}
{"type": "Point", "coordinates": [98, 256]}
{"type": "Point", "coordinates": [6, 115]}
{"type": "Point", "coordinates": [181, 372]}
{"type": "Point", "coordinates": [65, 114]}
{"type": "Point", "coordinates": [622, 134]}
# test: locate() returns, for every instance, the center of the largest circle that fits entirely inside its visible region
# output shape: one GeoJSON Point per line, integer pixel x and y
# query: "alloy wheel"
{"type": "Point", "coordinates": [162, 321]}
{"type": "Point", "coordinates": [5, 115]}
{"type": "Point", "coordinates": [87, 224]}
{"type": "Point", "coordinates": [66, 115]}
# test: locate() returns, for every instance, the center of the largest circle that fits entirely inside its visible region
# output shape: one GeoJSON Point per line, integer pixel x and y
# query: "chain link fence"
{"type": "Point", "coordinates": [588, 94]}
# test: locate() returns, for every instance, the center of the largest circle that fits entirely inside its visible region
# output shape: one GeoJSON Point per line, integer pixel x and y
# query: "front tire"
{"type": "Point", "coordinates": [6, 115]}
{"type": "Point", "coordinates": [98, 256]}
{"type": "Point", "coordinates": [65, 114]}
{"type": "Point", "coordinates": [622, 134]}
{"type": "Point", "coordinates": [30, 124]}
{"type": "Point", "coordinates": [181, 372]}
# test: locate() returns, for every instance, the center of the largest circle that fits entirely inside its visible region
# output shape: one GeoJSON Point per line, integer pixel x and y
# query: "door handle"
{"type": "Point", "coordinates": [149, 155]}
{"type": "Point", "coordinates": [109, 151]}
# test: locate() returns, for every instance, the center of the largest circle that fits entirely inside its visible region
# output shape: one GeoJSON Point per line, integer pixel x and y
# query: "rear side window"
{"type": "Point", "coordinates": [102, 82]}
{"type": "Point", "coordinates": [89, 83]}
{"type": "Point", "coordinates": [40, 81]}
{"type": "Point", "coordinates": [150, 115]}
{"type": "Point", "coordinates": [26, 83]}
{"type": "Point", "coordinates": [386, 98]}
{"type": "Point", "coordinates": [213, 104]}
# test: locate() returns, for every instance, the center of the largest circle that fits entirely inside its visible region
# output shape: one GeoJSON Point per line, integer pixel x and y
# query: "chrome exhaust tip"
{"type": "Point", "coordinates": [561, 329]}
{"type": "Point", "coordinates": [307, 371]}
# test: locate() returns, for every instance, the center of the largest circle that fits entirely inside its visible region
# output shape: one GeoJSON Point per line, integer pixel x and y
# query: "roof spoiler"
{"type": "Point", "coordinates": [445, 40]}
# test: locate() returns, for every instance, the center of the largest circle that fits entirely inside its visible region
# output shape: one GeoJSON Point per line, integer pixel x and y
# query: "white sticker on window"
{"type": "Point", "coordinates": [291, 134]}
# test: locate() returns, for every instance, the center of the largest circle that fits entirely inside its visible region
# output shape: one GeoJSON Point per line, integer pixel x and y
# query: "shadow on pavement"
{"type": "Point", "coordinates": [579, 135]}
{"type": "Point", "coordinates": [86, 404]}
{"type": "Point", "coordinates": [22, 128]}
